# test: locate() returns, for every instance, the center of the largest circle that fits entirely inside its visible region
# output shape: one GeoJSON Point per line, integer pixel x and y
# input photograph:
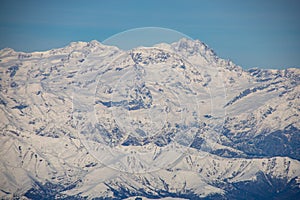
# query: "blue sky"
{"type": "Point", "coordinates": [256, 33]}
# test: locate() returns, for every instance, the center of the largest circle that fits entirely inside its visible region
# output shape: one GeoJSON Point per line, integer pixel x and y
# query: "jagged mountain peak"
{"type": "Point", "coordinates": [89, 120]}
{"type": "Point", "coordinates": [91, 44]}
{"type": "Point", "coordinates": [7, 51]}
{"type": "Point", "coordinates": [186, 48]}
{"type": "Point", "coordinates": [185, 43]}
{"type": "Point", "coordinates": [73, 47]}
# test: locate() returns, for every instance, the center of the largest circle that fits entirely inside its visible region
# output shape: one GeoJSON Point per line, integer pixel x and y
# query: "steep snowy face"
{"type": "Point", "coordinates": [90, 120]}
{"type": "Point", "coordinates": [148, 97]}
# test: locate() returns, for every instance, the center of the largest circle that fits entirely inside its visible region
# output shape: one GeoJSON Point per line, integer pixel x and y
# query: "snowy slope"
{"type": "Point", "coordinates": [173, 120]}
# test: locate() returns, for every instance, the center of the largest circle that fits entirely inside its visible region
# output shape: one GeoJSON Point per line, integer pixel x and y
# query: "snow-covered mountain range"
{"type": "Point", "coordinates": [169, 121]}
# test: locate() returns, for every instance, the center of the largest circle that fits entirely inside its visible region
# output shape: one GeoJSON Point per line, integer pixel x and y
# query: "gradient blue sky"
{"type": "Point", "coordinates": [256, 33]}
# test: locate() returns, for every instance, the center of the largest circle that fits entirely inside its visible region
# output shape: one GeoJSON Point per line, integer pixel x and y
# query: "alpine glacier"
{"type": "Point", "coordinates": [172, 121]}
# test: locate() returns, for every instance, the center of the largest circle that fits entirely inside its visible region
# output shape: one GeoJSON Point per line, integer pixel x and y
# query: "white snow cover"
{"type": "Point", "coordinates": [55, 107]}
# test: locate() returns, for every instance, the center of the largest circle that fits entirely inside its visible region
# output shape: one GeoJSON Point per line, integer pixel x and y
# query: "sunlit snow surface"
{"type": "Point", "coordinates": [90, 120]}
{"type": "Point", "coordinates": [149, 98]}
